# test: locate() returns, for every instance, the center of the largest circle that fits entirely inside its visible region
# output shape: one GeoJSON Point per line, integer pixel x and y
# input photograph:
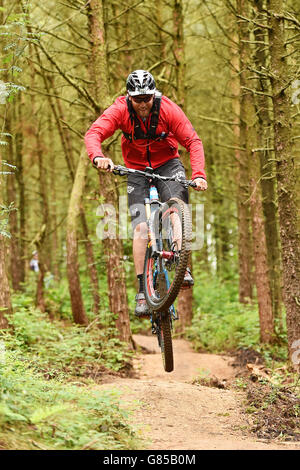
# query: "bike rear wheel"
{"type": "Point", "coordinates": [163, 275]}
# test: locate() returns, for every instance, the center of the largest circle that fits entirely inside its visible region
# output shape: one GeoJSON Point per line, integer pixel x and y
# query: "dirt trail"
{"type": "Point", "coordinates": [174, 414]}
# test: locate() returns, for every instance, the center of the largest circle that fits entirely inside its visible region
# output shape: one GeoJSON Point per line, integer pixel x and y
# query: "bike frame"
{"type": "Point", "coordinates": [151, 209]}
{"type": "Point", "coordinates": [148, 202]}
{"type": "Point", "coordinates": [157, 279]}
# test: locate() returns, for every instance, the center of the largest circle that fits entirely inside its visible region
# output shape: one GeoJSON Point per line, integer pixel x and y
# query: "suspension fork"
{"type": "Point", "coordinates": [152, 240]}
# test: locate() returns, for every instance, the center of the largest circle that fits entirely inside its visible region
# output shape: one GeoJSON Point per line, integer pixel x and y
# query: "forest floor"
{"type": "Point", "coordinates": [197, 406]}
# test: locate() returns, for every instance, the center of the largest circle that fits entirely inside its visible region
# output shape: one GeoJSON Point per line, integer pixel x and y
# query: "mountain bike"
{"type": "Point", "coordinates": [169, 232]}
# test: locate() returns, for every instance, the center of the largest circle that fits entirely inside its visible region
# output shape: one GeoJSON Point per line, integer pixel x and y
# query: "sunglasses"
{"type": "Point", "coordinates": [141, 99]}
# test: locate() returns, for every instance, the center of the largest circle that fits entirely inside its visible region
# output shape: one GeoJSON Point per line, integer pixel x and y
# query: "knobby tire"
{"type": "Point", "coordinates": [166, 342]}
{"type": "Point", "coordinates": [167, 298]}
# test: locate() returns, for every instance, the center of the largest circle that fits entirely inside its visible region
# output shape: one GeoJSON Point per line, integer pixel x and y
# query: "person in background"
{"type": "Point", "coordinates": [34, 262]}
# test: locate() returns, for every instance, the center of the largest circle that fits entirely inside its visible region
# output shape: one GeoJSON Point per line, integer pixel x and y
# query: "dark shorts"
{"type": "Point", "coordinates": [138, 189]}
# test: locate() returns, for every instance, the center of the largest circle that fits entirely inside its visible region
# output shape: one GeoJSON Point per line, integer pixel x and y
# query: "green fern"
{"type": "Point", "coordinates": [41, 414]}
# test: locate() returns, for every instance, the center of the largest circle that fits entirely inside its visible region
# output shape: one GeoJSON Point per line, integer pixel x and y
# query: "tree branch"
{"type": "Point", "coordinates": [249, 20]}
{"type": "Point", "coordinates": [220, 26]}
{"type": "Point", "coordinates": [221, 121]}
{"type": "Point", "coordinates": [149, 18]}
{"type": "Point", "coordinates": [86, 49]}
{"type": "Point", "coordinates": [82, 91]}
{"type": "Point", "coordinates": [256, 92]}
{"type": "Point", "coordinates": [67, 20]}
{"type": "Point", "coordinates": [290, 18]}
{"type": "Point", "coordinates": [125, 11]}
{"type": "Point", "coordinates": [231, 147]}
{"type": "Point", "coordinates": [141, 47]}
{"type": "Point", "coordinates": [124, 43]}
{"type": "Point", "coordinates": [40, 92]}
{"type": "Point", "coordinates": [81, 136]}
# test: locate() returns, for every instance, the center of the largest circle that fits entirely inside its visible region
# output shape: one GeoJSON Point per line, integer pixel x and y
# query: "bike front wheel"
{"type": "Point", "coordinates": [164, 272]}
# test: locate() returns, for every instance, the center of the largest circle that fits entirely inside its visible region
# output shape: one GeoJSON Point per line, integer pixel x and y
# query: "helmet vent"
{"type": "Point", "coordinates": [140, 82]}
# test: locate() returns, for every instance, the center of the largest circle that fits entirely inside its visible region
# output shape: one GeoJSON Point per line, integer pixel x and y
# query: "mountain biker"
{"type": "Point", "coordinates": [152, 127]}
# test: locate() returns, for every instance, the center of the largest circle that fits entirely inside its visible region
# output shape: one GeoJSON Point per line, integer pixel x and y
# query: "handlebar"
{"type": "Point", "coordinates": [123, 171]}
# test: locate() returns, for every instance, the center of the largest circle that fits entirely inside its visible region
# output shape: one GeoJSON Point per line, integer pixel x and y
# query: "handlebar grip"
{"type": "Point", "coordinates": [120, 170]}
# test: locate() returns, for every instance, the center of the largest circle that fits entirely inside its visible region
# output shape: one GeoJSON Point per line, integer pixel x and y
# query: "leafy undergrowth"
{"type": "Point", "coordinates": [36, 413]}
{"type": "Point", "coordinates": [220, 323]}
{"type": "Point", "coordinates": [59, 347]}
{"type": "Point", "coordinates": [274, 410]}
{"type": "Point", "coordinates": [272, 394]}
{"type": "Point", "coordinates": [49, 370]}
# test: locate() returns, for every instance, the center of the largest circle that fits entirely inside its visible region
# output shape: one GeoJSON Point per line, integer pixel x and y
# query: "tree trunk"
{"type": "Point", "coordinates": [113, 250]}
{"type": "Point", "coordinates": [78, 310]}
{"type": "Point", "coordinates": [91, 263]}
{"type": "Point", "coordinates": [44, 207]}
{"type": "Point", "coordinates": [243, 213]}
{"type": "Point", "coordinates": [179, 54]}
{"type": "Point", "coordinates": [40, 238]}
{"type": "Point", "coordinates": [40, 298]}
{"type": "Point", "coordinates": [19, 174]}
{"type": "Point", "coordinates": [249, 118]}
{"type": "Point", "coordinates": [13, 217]}
{"type": "Point", "coordinates": [244, 229]}
{"type": "Point", "coordinates": [184, 310]}
{"type": "Point", "coordinates": [113, 247]}
{"type": "Point", "coordinates": [5, 302]}
{"type": "Point", "coordinates": [286, 176]}
{"type": "Point", "coordinates": [185, 298]}
{"type": "Point", "coordinates": [268, 171]}
{"type": "Point", "coordinates": [54, 228]}
{"type": "Point", "coordinates": [220, 213]}
{"type": "Point", "coordinates": [68, 152]}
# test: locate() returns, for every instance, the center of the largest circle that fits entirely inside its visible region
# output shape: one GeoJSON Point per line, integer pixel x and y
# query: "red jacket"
{"type": "Point", "coordinates": [172, 120]}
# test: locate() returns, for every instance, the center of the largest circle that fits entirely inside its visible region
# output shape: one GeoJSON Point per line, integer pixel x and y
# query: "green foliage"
{"type": "Point", "coordinates": [58, 300]}
{"type": "Point", "coordinates": [61, 347]}
{"type": "Point", "coordinates": [240, 383]}
{"type": "Point", "coordinates": [137, 325]}
{"type": "Point", "coordinates": [3, 231]}
{"type": "Point", "coordinates": [275, 354]}
{"type": "Point", "coordinates": [275, 409]}
{"type": "Point", "coordinates": [51, 415]}
{"type": "Point", "coordinates": [36, 412]}
{"type": "Point", "coordinates": [14, 40]}
{"type": "Point", "coordinates": [220, 322]}
{"type": "Point", "coordinates": [4, 214]}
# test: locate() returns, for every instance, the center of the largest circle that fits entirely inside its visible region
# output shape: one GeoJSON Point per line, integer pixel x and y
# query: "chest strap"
{"type": "Point", "coordinates": [138, 131]}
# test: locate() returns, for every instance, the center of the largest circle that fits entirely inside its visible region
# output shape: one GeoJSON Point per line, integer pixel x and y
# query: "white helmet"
{"type": "Point", "coordinates": [140, 82]}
